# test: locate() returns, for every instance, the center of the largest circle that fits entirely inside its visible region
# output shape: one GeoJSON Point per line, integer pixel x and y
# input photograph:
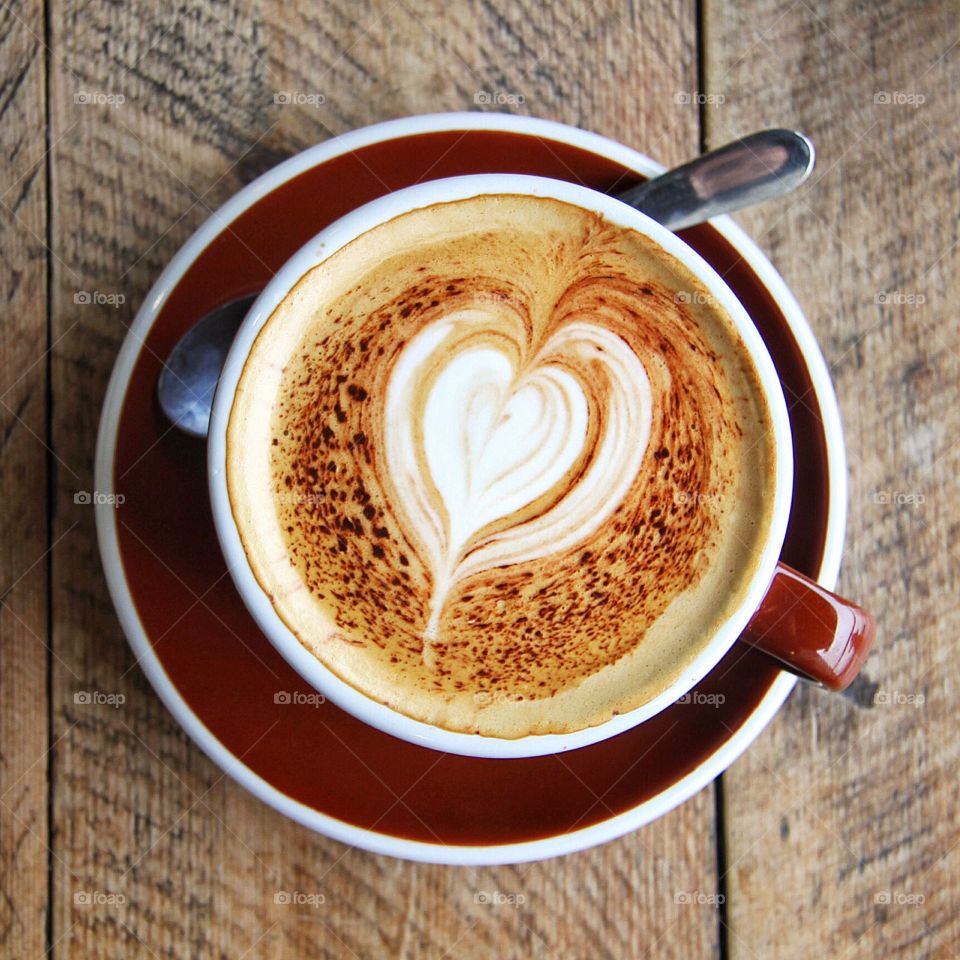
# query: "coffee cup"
{"type": "Point", "coordinates": [441, 546]}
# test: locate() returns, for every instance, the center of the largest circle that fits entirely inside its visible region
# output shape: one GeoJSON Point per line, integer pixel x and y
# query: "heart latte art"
{"type": "Point", "coordinates": [493, 471]}
{"type": "Point", "coordinates": [477, 431]}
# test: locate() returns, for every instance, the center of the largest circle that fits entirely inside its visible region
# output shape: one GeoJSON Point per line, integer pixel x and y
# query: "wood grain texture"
{"type": "Point", "coordinates": [24, 639]}
{"type": "Point", "coordinates": [842, 834]}
{"type": "Point", "coordinates": [157, 854]}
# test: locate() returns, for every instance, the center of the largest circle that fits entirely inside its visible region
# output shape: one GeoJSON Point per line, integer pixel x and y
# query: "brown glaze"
{"type": "Point", "coordinates": [812, 631]}
{"type": "Point", "coordinates": [228, 673]}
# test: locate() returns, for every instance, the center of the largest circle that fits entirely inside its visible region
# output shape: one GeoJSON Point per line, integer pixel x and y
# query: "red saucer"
{"type": "Point", "coordinates": [230, 675]}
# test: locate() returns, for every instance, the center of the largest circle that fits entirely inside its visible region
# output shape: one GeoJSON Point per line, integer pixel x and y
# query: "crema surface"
{"type": "Point", "coordinates": [501, 465]}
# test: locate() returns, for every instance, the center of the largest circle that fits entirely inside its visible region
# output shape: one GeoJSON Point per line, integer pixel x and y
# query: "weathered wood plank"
{"type": "Point", "coordinates": [842, 835]}
{"type": "Point", "coordinates": [24, 533]}
{"type": "Point", "coordinates": [140, 813]}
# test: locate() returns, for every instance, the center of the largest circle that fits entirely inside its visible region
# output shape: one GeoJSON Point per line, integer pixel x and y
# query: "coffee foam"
{"type": "Point", "coordinates": [501, 465]}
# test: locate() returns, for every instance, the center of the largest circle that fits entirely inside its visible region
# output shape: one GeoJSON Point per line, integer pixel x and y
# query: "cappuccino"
{"type": "Point", "coordinates": [502, 465]}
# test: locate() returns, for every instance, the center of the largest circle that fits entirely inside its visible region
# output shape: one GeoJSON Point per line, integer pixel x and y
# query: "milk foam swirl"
{"type": "Point", "coordinates": [501, 457]}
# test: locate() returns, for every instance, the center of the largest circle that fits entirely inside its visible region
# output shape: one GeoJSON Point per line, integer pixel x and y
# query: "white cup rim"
{"type": "Point", "coordinates": [323, 245]}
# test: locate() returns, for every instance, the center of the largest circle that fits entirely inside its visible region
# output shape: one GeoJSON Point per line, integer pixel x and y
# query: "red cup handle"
{"type": "Point", "coordinates": [810, 630]}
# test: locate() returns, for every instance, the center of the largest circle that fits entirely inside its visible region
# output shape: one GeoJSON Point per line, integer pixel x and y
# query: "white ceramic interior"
{"type": "Point", "coordinates": [374, 841]}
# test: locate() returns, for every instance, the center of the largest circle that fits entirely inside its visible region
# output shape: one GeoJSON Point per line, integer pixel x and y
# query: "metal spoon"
{"type": "Point", "coordinates": [758, 167]}
{"type": "Point", "coordinates": [189, 377]}
{"type": "Point", "coordinates": [764, 165]}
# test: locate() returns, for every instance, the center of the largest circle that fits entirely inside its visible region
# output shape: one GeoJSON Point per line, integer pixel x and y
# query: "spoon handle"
{"type": "Point", "coordinates": [760, 166]}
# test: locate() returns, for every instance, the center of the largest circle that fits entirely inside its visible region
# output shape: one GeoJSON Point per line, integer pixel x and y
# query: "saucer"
{"type": "Point", "coordinates": [224, 681]}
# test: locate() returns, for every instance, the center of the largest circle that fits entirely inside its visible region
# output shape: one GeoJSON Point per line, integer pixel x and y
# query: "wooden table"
{"type": "Point", "coordinates": [123, 126]}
